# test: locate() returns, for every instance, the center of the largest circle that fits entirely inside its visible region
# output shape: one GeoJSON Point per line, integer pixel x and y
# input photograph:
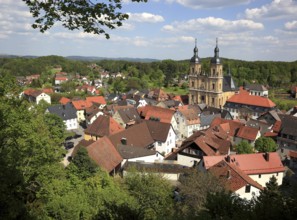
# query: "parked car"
{"type": "Point", "coordinates": [69, 145]}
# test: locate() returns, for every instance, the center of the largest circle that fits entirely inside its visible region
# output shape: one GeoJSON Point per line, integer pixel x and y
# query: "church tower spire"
{"type": "Point", "coordinates": [216, 59]}
{"type": "Point", "coordinates": [195, 58]}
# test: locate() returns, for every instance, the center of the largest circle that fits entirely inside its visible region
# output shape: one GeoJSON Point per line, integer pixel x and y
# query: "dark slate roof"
{"type": "Point", "coordinates": [212, 110]}
{"type": "Point", "coordinates": [129, 114]}
{"type": "Point", "coordinates": [171, 103]}
{"type": "Point", "coordinates": [257, 87]}
{"type": "Point", "coordinates": [205, 120]}
{"type": "Point", "coordinates": [65, 112]}
{"type": "Point", "coordinates": [128, 152]}
{"type": "Point", "coordinates": [262, 126]}
{"type": "Point", "coordinates": [228, 84]}
{"type": "Point", "coordinates": [289, 125]}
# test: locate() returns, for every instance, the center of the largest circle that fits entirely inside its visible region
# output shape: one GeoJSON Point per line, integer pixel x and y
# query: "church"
{"type": "Point", "coordinates": [211, 88]}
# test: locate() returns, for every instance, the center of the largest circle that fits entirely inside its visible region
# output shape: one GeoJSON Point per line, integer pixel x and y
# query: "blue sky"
{"type": "Point", "coordinates": [166, 29]}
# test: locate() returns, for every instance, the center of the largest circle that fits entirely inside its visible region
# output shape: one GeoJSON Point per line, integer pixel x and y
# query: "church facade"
{"type": "Point", "coordinates": [211, 88]}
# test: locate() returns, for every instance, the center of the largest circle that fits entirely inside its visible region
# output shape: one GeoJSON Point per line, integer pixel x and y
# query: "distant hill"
{"type": "Point", "coordinates": [83, 58]}
{"type": "Point", "coordinates": [87, 58]}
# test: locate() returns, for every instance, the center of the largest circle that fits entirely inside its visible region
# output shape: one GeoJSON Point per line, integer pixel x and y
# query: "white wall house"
{"type": "Point", "coordinates": [168, 145]}
{"type": "Point", "coordinates": [185, 124]}
{"type": "Point", "coordinates": [43, 96]}
{"type": "Point", "coordinates": [67, 113]}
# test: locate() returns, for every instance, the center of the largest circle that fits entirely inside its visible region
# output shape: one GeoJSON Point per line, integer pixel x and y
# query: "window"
{"type": "Point", "coordinates": [213, 86]}
{"type": "Point", "coordinates": [248, 188]}
{"type": "Point", "coordinates": [259, 176]}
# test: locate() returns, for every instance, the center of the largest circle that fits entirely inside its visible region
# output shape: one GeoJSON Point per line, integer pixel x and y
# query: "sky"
{"type": "Point", "coordinates": [165, 29]}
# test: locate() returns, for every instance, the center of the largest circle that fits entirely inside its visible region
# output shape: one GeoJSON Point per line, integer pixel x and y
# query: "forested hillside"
{"type": "Point", "coordinates": [159, 73]}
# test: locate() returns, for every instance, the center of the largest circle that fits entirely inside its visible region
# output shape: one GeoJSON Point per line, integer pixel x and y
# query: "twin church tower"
{"type": "Point", "coordinates": [211, 88]}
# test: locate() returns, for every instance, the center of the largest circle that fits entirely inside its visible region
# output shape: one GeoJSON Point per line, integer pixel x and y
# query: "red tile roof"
{"type": "Point", "coordinates": [246, 99]}
{"type": "Point", "coordinates": [61, 78]}
{"type": "Point", "coordinates": [64, 100]}
{"type": "Point", "coordinates": [81, 104]}
{"type": "Point", "coordinates": [250, 163]}
{"type": "Point", "coordinates": [248, 133]}
{"type": "Point", "coordinates": [232, 177]}
{"type": "Point", "coordinates": [104, 154]}
{"type": "Point", "coordinates": [165, 115]}
{"type": "Point", "coordinates": [96, 99]}
{"type": "Point", "coordinates": [48, 90]}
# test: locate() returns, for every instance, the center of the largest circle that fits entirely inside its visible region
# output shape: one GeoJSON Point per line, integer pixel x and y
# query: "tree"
{"type": "Point", "coordinates": [270, 204]}
{"type": "Point", "coordinates": [195, 186]}
{"type": "Point", "coordinates": [265, 144]}
{"type": "Point", "coordinates": [82, 164]}
{"type": "Point", "coordinates": [226, 205]}
{"type": "Point", "coordinates": [153, 193]}
{"type": "Point", "coordinates": [90, 15]}
{"type": "Point", "coordinates": [244, 148]}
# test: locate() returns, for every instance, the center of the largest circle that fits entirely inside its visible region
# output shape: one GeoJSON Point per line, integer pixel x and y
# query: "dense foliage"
{"type": "Point", "coordinates": [90, 16]}
{"type": "Point", "coordinates": [244, 147]}
{"type": "Point", "coordinates": [265, 144]}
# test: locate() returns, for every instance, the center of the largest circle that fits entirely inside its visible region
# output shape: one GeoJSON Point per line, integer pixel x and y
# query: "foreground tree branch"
{"type": "Point", "coordinates": [91, 16]}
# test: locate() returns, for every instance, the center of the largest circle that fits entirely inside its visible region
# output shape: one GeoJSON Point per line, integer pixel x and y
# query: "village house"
{"type": "Point", "coordinates": [152, 135]}
{"type": "Point", "coordinates": [126, 116]}
{"type": "Point", "coordinates": [246, 133]}
{"type": "Point", "coordinates": [33, 95]}
{"type": "Point", "coordinates": [242, 105]}
{"type": "Point", "coordinates": [67, 113]}
{"type": "Point", "coordinates": [213, 141]}
{"type": "Point", "coordinates": [187, 120]}
{"type": "Point", "coordinates": [105, 155]}
{"type": "Point", "coordinates": [236, 180]}
{"type": "Point", "coordinates": [102, 126]}
{"type": "Point", "coordinates": [257, 89]}
{"type": "Point", "coordinates": [259, 166]}
{"type": "Point", "coordinates": [158, 114]}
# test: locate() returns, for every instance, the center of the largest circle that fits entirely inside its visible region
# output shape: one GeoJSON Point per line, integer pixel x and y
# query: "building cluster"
{"type": "Point", "coordinates": [170, 134]}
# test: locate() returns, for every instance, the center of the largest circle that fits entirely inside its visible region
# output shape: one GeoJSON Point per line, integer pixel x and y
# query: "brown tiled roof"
{"type": "Point", "coordinates": [233, 127]}
{"type": "Point", "coordinates": [292, 154]}
{"type": "Point", "coordinates": [159, 130]}
{"type": "Point", "coordinates": [232, 177]}
{"type": "Point", "coordinates": [103, 126]}
{"type": "Point", "coordinates": [247, 133]}
{"type": "Point", "coordinates": [32, 92]}
{"type": "Point", "coordinates": [246, 99]}
{"type": "Point", "coordinates": [137, 135]}
{"type": "Point", "coordinates": [165, 115]}
{"type": "Point", "coordinates": [250, 163]}
{"type": "Point", "coordinates": [129, 114]}
{"type": "Point", "coordinates": [190, 114]}
{"type": "Point", "coordinates": [104, 154]}
{"type": "Point", "coordinates": [212, 142]}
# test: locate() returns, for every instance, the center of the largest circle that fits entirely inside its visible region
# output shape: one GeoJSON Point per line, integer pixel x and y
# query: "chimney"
{"type": "Point", "coordinates": [124, 141]}
{"type": "Point", "coordinates": [228, 159]}
{"type": "Point", "coordinates": [229, 174]}
{"type": "Point", "coordinates": [266, 156]}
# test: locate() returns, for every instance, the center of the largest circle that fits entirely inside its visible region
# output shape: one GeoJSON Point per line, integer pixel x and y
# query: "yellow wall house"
{"type": "Point", "coordinates": [212, 88]}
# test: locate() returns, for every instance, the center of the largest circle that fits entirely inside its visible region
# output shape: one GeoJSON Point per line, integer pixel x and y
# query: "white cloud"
{"type": "Point", "coordinates": [292, 25]}
{"type": "Point", "coordinates": [276, 9]}
{"type": "Point", "coordinates": [213, 24]}
{"type": "Point", "coordinates": [197, 4]}
{"type": "Point", "coordinates": [145, 17]}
